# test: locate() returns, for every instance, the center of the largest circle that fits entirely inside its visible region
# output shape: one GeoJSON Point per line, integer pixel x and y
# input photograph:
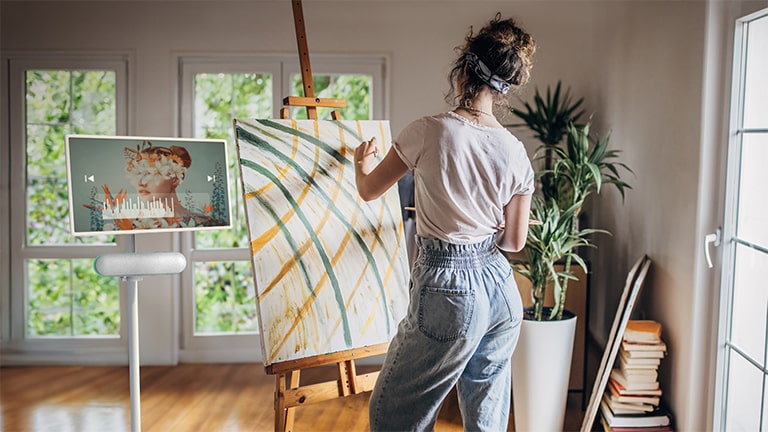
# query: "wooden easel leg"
{"type": "Point", "coordinates": [290, 412]}
{"type": "Point", "coordinates": [348, 376]}
{"type": "Point", "coordinates": [280, 403]}
{"type": "Point", "coordinates": [284, 416]}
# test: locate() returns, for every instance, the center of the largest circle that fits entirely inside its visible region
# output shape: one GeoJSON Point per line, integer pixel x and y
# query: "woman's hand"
{"type": "Point", "coordinates": [365, 156]}
{"type": "Point", "coordinates": [374, 177]}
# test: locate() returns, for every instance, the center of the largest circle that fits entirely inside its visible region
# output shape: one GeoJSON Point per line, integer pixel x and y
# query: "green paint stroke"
{"type": "Point", "coordinates": [323, 256]}
{"type": "Point", "coordinates": [283, 157]}
{"type": "Point", "coordinates": [260, 143]}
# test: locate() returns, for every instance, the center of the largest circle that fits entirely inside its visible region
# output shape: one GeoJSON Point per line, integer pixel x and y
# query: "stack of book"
{"type": "Point", "coordinates": [632, 400]}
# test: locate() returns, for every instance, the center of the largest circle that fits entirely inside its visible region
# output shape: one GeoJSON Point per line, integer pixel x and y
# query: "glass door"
{"type": "Point", "coordinates": [741, 402]}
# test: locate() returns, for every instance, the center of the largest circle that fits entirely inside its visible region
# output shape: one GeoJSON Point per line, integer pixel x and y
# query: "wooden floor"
{"type": "Point", "coordinates": [190, 397]}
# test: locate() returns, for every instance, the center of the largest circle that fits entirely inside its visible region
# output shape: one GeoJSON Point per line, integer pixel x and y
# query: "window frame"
{"type": "Point", "coordinates": [247, 346]}
{"type": "Point", "coordinates": [15, 345]}
{"type": "Point", "coordinates": [731, 237]}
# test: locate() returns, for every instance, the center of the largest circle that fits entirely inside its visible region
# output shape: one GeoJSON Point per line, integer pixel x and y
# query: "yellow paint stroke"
{"type": "Point", "coordinates": [281, 171]}
{"type": "Point", "coordinates": [360, 129]}
{"type": "Point", "coordinates": [322, 282]}
{"type": "Point", "coordinates": [388, 274]}
{"type": "Point", "coordinates": [384, 145]}
{"type": "Point", "coordinates": [371, 318]}
{"type": "Point", "coordinates": [287, 267]}
{"type": "Point", "coordinates": [390, 267]}
{"type": "Point", "coordinates": [268, 235]}
{"type": "Point", "coordinates": [309, 301]}
{"type": "Point", "coordinates": [358, 282]}
{"type": "Point", "coordinates": [373, 246]}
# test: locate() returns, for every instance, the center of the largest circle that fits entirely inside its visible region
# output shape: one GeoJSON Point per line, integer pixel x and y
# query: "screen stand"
{"type": "Point", "coordinates": [133, 350]}
{"type": "Point", "coordinates": [132, 267]}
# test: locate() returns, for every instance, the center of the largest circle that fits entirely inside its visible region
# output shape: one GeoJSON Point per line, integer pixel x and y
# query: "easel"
{"type": "Point", "coordinates": [309, 100]}
{"type": "Point", "coordinates": [288, 392]}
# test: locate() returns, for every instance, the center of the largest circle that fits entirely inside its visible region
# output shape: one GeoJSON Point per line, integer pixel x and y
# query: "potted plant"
{"type": "Point", "coordinates": [569, 176]}
{"type": "Point", "coordinates": [583, 167]}
{"type": "Point", "coordinates": [548, 117]}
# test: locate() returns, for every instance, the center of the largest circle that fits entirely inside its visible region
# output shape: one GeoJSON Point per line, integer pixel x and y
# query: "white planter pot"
{"type": "Point", "coordinates": [541, 368]}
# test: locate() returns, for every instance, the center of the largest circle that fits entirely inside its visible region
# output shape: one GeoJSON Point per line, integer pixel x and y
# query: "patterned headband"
{"type": "Point", "coordinates": [485, 74]}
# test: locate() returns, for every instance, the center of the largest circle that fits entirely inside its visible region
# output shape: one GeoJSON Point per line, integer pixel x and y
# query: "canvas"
{"type": "Point", "coordinates": [330, 270]}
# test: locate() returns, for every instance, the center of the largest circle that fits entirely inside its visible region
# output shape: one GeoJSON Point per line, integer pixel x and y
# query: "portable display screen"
{"type": "Point", "coordinates": [129, 185]}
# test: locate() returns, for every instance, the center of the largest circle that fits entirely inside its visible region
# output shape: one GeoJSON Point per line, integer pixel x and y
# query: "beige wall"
{"type": "Point", "coordinates": [651, 75]}
{"type": "Point", "coordinates": [664, 92]}
{"type": "Point", "coordinates": [639, 64]}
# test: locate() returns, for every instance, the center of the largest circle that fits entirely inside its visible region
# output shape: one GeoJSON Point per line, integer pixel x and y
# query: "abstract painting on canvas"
{"type": "Point", "coordinates": [330, 270]}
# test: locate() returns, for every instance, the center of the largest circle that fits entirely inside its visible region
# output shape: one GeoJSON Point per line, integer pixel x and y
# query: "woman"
{"type": "Point", "coordinates": [471, 177]}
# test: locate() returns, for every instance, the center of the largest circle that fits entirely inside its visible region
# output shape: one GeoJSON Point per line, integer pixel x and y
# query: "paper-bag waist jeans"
{"type": "Point", "coordinates": [461, 329]}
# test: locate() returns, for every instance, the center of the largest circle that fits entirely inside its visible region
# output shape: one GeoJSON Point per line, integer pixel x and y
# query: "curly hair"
{"type": "Point", "coordinates": [504, 47]}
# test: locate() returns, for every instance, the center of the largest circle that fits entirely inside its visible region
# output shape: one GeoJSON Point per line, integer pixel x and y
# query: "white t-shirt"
{"type": "Point", "coordinates": [464, 175]}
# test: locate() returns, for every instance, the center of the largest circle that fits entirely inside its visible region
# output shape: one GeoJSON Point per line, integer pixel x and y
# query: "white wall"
{"type": "Point", "coordinates": [640, 65]}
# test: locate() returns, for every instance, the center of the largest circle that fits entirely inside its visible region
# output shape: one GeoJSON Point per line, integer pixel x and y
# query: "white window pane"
{"type": "Point", "coordinates": [756, 86]}
{"type": "Point", "coordinates": [750, 299]}
{"type": "Point", "coordinates": [745, 389]}
{"type": "Point", "coordinates": [752, 205]}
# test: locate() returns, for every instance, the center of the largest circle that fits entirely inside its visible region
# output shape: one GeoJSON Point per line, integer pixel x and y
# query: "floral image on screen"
{"type": "Point", "coordinates": [139, 184]}
{"type": "Point", "coordinates": [330, 270]}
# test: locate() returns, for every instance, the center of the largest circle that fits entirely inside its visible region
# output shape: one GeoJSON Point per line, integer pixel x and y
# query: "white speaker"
{"type": "Point", "coordinates": [140, 264]}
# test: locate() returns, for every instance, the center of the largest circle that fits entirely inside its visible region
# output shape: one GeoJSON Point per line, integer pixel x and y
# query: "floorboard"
{"type": "Point", "coordinates": [188, 397]}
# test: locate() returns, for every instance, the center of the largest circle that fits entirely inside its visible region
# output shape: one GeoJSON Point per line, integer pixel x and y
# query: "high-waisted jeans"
{"type": "Point", "coordinates": [461, 329]}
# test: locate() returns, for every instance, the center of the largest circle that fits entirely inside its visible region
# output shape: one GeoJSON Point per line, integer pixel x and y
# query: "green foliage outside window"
{"type": "Point", "coordinates": [225, 296]}
{"type": "Point", "coordinates": [354, 89]}
{"type": "Point", "coordinates": [65, 297]}
{"type": "Point", "coordinates": [70, 299]}
{"type": "Point", "coordinates": [224, 293]}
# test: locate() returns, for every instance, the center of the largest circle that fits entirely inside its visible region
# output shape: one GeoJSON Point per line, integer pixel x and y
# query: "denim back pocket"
{"type": "Point", "coordinates": [445, 314]}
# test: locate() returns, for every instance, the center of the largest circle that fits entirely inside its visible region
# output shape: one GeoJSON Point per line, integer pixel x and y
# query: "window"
{"type": "Point", "coordinates": [65, 296]}
{"type": "Point", "coordinates": [224, 294]}
{"type": "Point", "coordinates": [214, 92]}
{"type": "Point", "coordinates": [741, 402]}
{"type": "Point", "coordinates": [55, 291]}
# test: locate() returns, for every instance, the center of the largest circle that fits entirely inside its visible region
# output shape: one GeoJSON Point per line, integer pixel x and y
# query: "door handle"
{"type": "Point", "coordinates": [711, 239]}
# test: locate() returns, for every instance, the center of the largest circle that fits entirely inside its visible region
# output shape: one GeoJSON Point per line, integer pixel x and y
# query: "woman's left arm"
{"type": "Point", "coordinates": [373, 180]}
